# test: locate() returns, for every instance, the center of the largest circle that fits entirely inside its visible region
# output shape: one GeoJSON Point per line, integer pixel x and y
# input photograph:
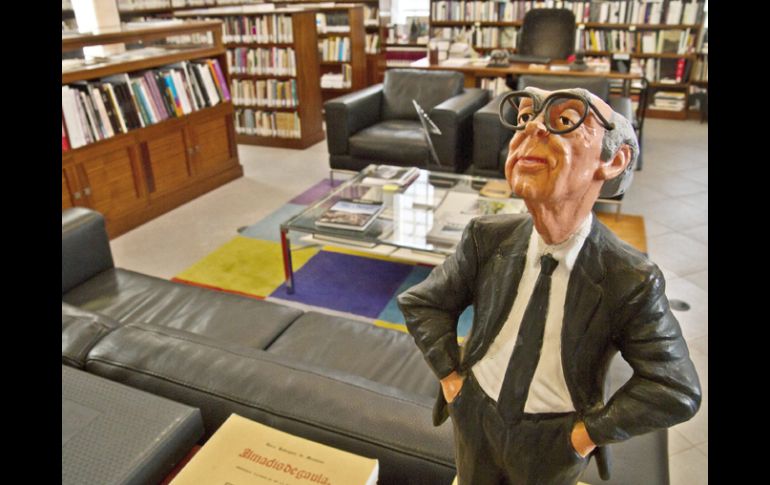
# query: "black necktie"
{"type": "Point", "coordinates": [526, 352]}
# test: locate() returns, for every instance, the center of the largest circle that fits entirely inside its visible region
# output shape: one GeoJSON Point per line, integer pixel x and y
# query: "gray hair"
{"type": "Point", "coordinates": [623, 134]}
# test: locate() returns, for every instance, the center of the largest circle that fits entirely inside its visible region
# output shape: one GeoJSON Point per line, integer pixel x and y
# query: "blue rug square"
{"type": "Point", "coordinates": [393, 314]}
{"type": "Point", "coordinates": [347, 283]}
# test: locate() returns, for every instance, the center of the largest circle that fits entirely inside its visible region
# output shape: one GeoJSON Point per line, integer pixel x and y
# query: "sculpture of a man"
{"type": "Point", "coordinates": [555, 296]}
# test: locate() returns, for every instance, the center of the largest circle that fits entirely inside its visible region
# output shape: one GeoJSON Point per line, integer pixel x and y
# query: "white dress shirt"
{"type": "Point", "coordinates": [548, 391]}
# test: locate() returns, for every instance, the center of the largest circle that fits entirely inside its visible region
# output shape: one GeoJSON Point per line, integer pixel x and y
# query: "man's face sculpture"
{"type": "Point", "coordinates": [554, 154]}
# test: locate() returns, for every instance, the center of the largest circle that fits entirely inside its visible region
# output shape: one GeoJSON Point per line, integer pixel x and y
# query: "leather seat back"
{"type": "Point", "coordinates": [428, 88]}
{"type": "Point", "coordinates": [598, 85]}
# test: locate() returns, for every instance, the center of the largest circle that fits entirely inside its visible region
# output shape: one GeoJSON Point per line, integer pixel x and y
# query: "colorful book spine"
{"type": "Point", "coordinates": [220, 78]}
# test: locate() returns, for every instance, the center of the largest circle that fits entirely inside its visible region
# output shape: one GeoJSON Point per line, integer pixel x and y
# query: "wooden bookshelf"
{"type": "Point", "coordinates": [358, 59]}
{"type": "Point", "coordinates": [136, 176]}
{"type": "Point", "coordinates": [308, 92]}
{"type": "Point", "coordinates": [442, 16]}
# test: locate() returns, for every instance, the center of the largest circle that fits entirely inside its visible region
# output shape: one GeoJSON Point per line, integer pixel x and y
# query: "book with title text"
{"type": "Point", "coordinates": [245, 452]}
{"type": "Point", "coordinates": [349, 214]}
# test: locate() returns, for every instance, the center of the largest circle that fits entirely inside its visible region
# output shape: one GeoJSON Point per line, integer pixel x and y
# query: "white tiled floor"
{"type": "Point", "coordinates": [671, 192]}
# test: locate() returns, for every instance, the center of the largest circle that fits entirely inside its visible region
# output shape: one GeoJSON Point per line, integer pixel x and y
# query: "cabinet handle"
{"type": "Point", "coordinates": [190, 150]}
{"type": "Point", "coordinates": [76, 195]}
{"type": "Point", "coordinates": [197, 148]}
{"type": "Point", "coordinates": [87, 191]}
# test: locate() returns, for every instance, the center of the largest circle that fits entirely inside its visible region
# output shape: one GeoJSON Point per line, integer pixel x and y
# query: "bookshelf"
{"type": "Point", "coordinates": [284, 69]}
{"type": "Point", "coordinates": [154, 163]}
{"type": "Point", "coordinates": [658, 35]}
{"type": "Point", "coordinates": [341, 49]}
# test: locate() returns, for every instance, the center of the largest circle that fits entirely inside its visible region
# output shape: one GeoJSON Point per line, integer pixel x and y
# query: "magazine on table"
{"type": "Point", "coordinates": [389, 174]}
{"type": "Point", "coordinates": [350, 215]}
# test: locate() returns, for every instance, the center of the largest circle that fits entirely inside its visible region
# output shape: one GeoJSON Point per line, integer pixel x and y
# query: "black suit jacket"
{"type": "Point", "coordinates": [615, 302]}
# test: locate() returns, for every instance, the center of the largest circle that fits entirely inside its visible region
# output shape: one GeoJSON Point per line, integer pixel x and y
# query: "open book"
{"type": "Point", "coordinates": [245, 452]}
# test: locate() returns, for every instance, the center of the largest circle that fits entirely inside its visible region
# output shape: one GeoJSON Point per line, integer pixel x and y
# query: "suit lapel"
{"type": "Point", "coordinates": [509, 265]}
{"type": "Point", "coordinates": [584, 293]}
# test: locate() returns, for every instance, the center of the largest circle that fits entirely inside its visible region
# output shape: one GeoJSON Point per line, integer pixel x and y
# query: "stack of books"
{"type": "Point", "coordinates": [350, 215]}
{"type": "Point", "coordinates": [669, 101]}
{"type": "Point", "coordinates": [389, 174]}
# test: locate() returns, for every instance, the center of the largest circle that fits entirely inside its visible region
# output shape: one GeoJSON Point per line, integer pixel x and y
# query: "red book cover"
{"type": "Point", "coordinates": [65, 143]}
{"type": "Point", "coordinates": [679, 69]}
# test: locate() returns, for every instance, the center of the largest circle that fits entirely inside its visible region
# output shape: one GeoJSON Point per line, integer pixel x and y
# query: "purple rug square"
{"type": "Point", "coordinates": [315, 192]}
{"type": "Point", "coordinates": [346, 283]}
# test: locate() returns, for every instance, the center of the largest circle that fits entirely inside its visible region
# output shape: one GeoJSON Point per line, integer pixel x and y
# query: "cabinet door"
{"type": "Point", "coordinates": [213, 143]}
{"type": "Point", "coordinates": [167, 158]}
{"type": "Point", "coordinates": [111, 180]}
{"type": "Point", "coordinates": [71, 193]}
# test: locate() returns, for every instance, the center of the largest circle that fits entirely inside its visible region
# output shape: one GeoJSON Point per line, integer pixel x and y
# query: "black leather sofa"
{"type": "Point", "coordinates": [337, 381]}
{"type": "Point", "coordinates": [379, 124]}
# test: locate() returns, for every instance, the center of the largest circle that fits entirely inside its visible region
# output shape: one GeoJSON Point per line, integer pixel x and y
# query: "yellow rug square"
{"type": "Point", "coordinates": [245, 265]}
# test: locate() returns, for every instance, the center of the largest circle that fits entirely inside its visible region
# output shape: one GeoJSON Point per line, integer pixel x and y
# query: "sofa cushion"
{"type": "Point", "coordinates": [428, 88]}
{"type": "Point", "coordinates": [335, 408]}
{"type": "Point", "coordinates": [378, 354]}
{"type": "Point", "coordinates": [128, 296]}
{"type": "Point", "coordinates": [80, 330]}
{"type": "Point", "coordinates": [376, 142]}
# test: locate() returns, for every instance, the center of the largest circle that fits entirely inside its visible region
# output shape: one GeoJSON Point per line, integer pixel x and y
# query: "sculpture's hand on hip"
{"type": "Point", "coordinates": [582, 443]}
{"type": "Point", "coordinates": [451, 385]}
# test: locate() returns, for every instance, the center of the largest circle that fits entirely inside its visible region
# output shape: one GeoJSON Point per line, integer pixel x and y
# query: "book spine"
{"type": "Point", "coordinates": [106, 122]}
{"type": "Point", "coordinates": [172, 91]}
{"type": "Point", "coordinates": [142, 108]}
{"type": "Point", "coordinates": [165, 94]}
{"type": "Point", "coordinates": [152, 88]}
{"type": "Point", "coordinates": [221, 83]}
{"type": "Point", "coordinates": [117, 107]}
{"type": "Point", "coordinates": [133, 101]}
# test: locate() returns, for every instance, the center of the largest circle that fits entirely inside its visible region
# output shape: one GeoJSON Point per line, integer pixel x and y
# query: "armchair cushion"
{"type": "Point", "coordinates": [428, 88]}
{"type": "Point", "coordinates": [346, 115]}
{"type": "Point", "coordinates": [377, 143]}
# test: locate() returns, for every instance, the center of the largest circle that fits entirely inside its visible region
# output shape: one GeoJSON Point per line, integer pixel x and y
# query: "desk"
{"type": "Point", "coordinates": [473, 72]}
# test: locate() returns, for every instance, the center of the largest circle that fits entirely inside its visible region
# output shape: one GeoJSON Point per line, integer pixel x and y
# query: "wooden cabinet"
{"type": "Point", "coordinates": [136, 176]}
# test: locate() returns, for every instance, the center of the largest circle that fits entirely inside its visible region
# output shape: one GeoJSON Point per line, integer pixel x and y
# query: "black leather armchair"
{"type": "Point", "coordinates": [490, 138]}
{"type": "Point", "coordinates": [379, 124]}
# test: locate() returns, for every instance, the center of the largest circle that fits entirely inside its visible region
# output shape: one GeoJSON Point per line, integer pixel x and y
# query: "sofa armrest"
{"type": "Point", "coordinates": [489, 135]}
{"type": "Point", "coordinates": [349, 114]}
{"type": "Point", "coordinates": [85, 247]}
{"type": "Point", "coordinates": [454, 117]}
{"type": "Point", "coordinates": [330, 407]}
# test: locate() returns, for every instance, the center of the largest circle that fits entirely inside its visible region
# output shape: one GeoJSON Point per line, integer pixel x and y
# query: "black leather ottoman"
{"type": "Point", "coordinates": [114, 434]}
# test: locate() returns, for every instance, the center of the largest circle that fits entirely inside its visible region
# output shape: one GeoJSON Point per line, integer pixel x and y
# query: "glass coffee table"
{"type": "Point", "coordinates": [421, 220]}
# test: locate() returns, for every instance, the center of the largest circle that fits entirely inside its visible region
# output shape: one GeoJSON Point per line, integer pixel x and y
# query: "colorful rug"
{"type": "Point", "coordinates": [330, 279]}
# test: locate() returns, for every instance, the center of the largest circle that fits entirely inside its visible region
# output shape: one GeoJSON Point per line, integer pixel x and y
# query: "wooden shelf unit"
{"type": "Point", "coordinates": [136, 176]}
{"type": "Point", "coordinates": [305, 45]}
{"type": "Point", "coordinates": [358, 57]}
{"type": "Point", "coordinates": [695, 31]}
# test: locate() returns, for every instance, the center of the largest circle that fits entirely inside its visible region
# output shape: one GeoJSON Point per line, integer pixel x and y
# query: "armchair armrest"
{"type": "Point", "coordinates": [454, 117]}
{"type": "Point", "coordinates": [489, 136]}
{"type": "Point", "coordinates": [85, 247]}
{"type": "Point", "coordinates": [349, 114]}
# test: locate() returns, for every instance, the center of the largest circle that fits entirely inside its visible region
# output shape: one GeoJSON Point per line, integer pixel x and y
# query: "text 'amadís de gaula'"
{"type": "Point", "coordinates": [294, 471]}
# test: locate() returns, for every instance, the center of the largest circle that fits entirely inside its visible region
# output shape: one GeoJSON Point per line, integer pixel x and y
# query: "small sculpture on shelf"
{"type": "Point", "coordinates": [555, 296]}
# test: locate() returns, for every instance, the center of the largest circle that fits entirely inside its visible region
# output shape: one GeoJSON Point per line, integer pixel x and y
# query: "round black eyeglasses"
{"type": "Point", "coordinates": [563, 111]}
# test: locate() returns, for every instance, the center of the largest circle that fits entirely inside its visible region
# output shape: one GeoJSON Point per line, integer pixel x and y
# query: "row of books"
{"type": "Point", "coordinates": [332, 22]}
{"type": "Point", "coordinates": [371, 15]}
{"type": "Point", "coordinates": [372, 44]}
{"type": "Point", "coordinates": [262, 28]}
{"type": "Point", "coordinates": [649, 42]}
{"type": "Point", "coordinates": [495, 85]}
{"type": "Point", "coordinates": [673, 71]}
{"type": "Point", "coordinates": [276, 61]}
{"type": "Point", "coordinates": [131, 5]}
{"type": "Point", "coordinates": [338, 80]}
{"type": "Point", "coordinates": [629, 11]}
{"type": "Point", "coordinates": [669, 101]}
{"type": "Point", "coordinates": [269, 93]}
{"type": "Point", "coordinates": [334, 49]}
{"type": "Point", "coordinates": [700, 69]}
{"type": "Point", "coordinates": [98, 110]}
{"type": "Point", "coordinates": [267, 123]}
